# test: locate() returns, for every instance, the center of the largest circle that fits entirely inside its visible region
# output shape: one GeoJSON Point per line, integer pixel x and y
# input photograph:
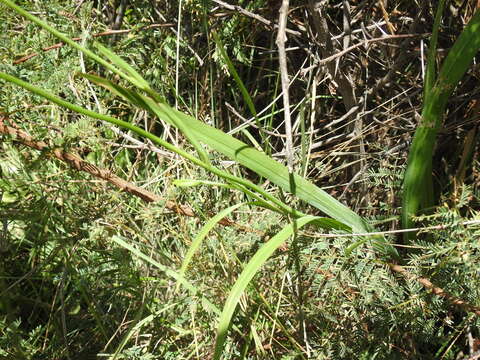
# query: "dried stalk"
{"type": "Point", "coordinates": [436, 290]}
{"type": "Point", "coordinates": [282, 58]}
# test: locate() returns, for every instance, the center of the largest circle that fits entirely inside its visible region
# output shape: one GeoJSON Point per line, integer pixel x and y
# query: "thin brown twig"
{"type": "Point", "coordinates": [436, 290]}
{"type": "Point", "coordinates": [282, 58]}
{"type": "Point", "coordinates": [253, 16]}
{"type": "Point", "coordinates": [79, 164]}
{"type": "Point", "coordinates": [390, 27]}
{"type": "Point", "coordinates": [104, 33]}
{"type": "Point", "coordinates": [400, 231]}
{"type": "Point", "coordinates": [360, 44]}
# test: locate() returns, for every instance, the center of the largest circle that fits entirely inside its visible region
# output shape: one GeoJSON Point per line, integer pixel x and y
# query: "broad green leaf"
{"type": "Point", "coordinates": [255, 191]}
{"type": "Point", "coordinates": [247, 156]}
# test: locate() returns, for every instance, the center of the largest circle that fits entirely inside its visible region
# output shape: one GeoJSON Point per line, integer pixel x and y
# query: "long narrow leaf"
{"type": "Point", "coordinates": [197, 241]}
{"type": "Point", "coordinates": [141, 83]}
{"type": "Point", "coordinates": [430, 75]}
{"type": "Point", "coordinates": [417, 185]}
{"type": "Point", "coordinates": [233, 71]}
{"type": "Point", "coordinates": [180, 279]}
{"type": "Point", "coordinates": [233, 148]}
{"type": "Point", "coordinates": [277, 204]}
{"type": "Point", "coordinates": [248, 157]}
{"type": "Point", "coordinates": [277, 173]}
{"type": "Point", "coordinates": [253, 266]}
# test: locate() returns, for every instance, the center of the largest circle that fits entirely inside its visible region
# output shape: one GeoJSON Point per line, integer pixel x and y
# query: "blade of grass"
{"type": "Point", "coordinates": [253, 266]}
{"type": "Point", "coordinates": [431, 72]}
{"type": "Point", "coordinates": [277, 173]}
{"type": "Point", "coordinates": [247, 156]}
{"type": "Point", "coordinates": [240, 183]}
{"type": "Point", "coordinates": [197, 241]}
{"type": "Point", "coordinates": [236, 77]}
{"type": "Point", "coordinates": [117, 60]}
{"type": "Point", "coordinates": [135, 326]}
{"type": "Point", "coordinates": [180, 279]}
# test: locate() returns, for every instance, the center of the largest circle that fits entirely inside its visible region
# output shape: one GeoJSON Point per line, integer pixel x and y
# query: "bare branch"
{"type": "Point", "coordinates": [104, 33]}
{"type": "Point", "coordinates": [253, 16]}
{"type": "Point", "coordinates": [282, 58]}
{"type": "Point", "coordinates": [437, 290]}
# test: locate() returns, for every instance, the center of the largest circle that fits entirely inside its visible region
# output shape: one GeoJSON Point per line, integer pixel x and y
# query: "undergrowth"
{"type": "Point", "coordinates": [68, 291]}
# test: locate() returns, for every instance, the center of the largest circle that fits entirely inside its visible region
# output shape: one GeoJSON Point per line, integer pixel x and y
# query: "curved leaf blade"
{"type": "Point", "coordinates": [253, 266]}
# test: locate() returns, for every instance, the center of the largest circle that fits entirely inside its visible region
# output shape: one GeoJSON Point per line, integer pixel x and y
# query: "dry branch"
{"type": "Point", "coordinates": [257, 17]}
{"type": "Point", "coordinates": [104, 33]}
{"type": "Point", "coordinates": [79, 164]}
{"type": "Point", "coordinates": [436, 290]}
{"type": "Point", "coordinates": [282, 58]}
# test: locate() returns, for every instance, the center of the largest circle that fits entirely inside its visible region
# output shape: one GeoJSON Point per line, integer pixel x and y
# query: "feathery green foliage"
{"type": "Point", "coordinates": [93, 272]}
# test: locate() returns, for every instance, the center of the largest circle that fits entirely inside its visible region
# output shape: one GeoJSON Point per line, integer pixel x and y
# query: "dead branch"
{"type": "Point", "coordinates": [282, 58]}
{"type": "Point", "coordinates": [104, 33]}
{"type": "Point", "coordinates": [257, 17]}
{"type": "Point", "coordinates": [79, 164]}
{"type": "Point", "coordinates": [436, 290]}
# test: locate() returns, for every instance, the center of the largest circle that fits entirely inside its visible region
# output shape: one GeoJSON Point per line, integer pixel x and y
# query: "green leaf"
{"type": "Point", "coordinates": [197, 182]}
{"type": "Point", "coordinates": [197, 242]}
{"type": "Point", "coordinates": [248, 156]}
{"type": "Point", "coordinates": [417, 183]}
{"type": "Point", "coordinates": [217, 140]}
{"type": "Point", "coordinates": [135, 77]}
{"type": "Point", "coordinates": [253, 266]}
{"type": "Point", "coordinates": [233, 71]}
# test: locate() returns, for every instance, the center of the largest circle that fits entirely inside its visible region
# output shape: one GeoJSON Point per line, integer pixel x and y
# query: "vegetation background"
{"type": "Point", "coordinates": [69, 291]}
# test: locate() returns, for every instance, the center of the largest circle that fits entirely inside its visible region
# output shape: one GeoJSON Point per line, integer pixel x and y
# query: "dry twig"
{"type": "Point", "coordinates": [282, 58]}
{"type": "Point", "coordinates": [253, 16]}
{"type": "Point", "coordinates": [104, 33]}
{"type": "Point", "coordinates": [436, 290]}
{"type": "Point", "coordinates": [79, 164]}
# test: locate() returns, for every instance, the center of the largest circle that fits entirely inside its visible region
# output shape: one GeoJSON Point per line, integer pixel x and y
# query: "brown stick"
{"type": "Point", "coordinates": [105, 33]}
{"type": "Point", "coordinates": [78, 163]}
{"type": "Point", "coordinates": [436, 290]}
{"type": "Point", "coordinates": [253, 16]}
{"type": "Point", "coordinates": [282, 59]}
